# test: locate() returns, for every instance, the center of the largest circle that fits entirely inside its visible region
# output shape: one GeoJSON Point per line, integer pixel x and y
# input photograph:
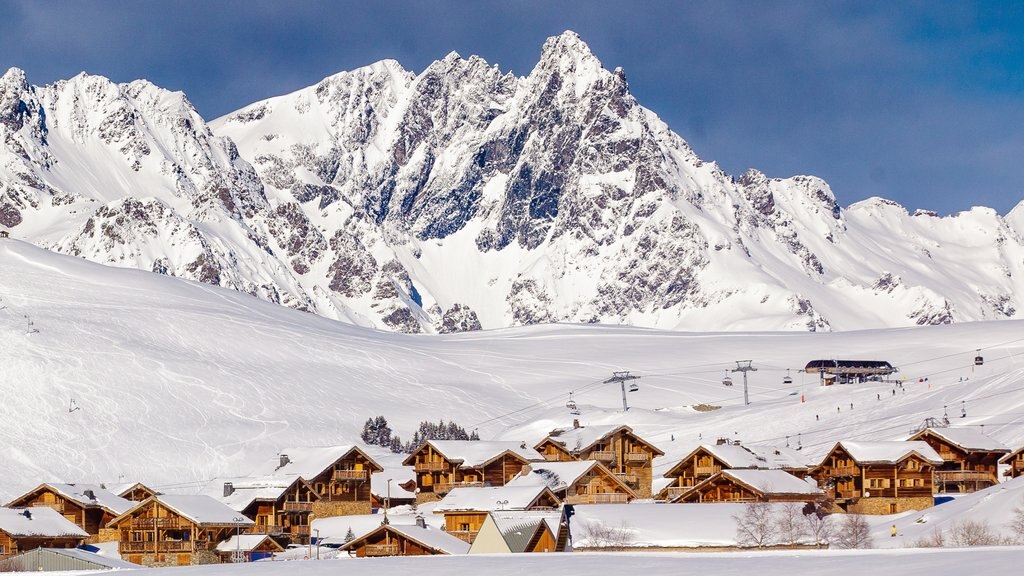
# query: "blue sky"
{"type": "Point", "coordinates": [920, 102]}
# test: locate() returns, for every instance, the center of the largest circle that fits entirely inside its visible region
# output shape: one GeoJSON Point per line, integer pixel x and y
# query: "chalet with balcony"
{"type": "Point", "coordinates": [340, 475]}
{"type": "Point", "coordinates": [627, 455]}
{"type": "Point", "coordinates": [23, 529]}
{"type": "Point", "coordinates": [879, 477]}
{"type": "Point", "coordinates": [752, 486]}
{"type": "Point", "coordinates": [970, 459]}
{"type": "Point", "coordinates": [280, 507]}
{"type": "Point", "coordinates": [248, 548]}
{"type": "Point", "coordinates": [88, 506]}
{"type": "Point", "coordinates": [708, 460]}
{"type": "Point", "coordinates": [444, 465]}
{"type": "Point", "coordinates": [405, 540]}
{"type": "Point", "coordinates": [466, 509]}
{"type": "Point", "coordinates": [578, 482]}
{"type": "Point", "coordinates": [174, 530]}
{"type": "Point", "coordinates": [136, 492]}
{"type": "Point", "coordinates": [1015, 462]}
{"type": "Point", "coordinates": [513, 532]}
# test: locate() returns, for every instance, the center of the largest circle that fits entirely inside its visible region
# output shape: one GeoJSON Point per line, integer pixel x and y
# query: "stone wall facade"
{"type": "Point", "coordinates": [426, 497]}
{"type": "Point", "coordinates": [329, 508]}
{"type": "Point", "coordinates": [108, 535]}
{"type": "Point", "coordinates": [882, 506]}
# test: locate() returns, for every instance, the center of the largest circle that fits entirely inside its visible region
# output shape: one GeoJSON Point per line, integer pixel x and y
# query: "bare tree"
{"type": "Point", "coordinates": [755, 526]}
{"type": "Point", "coordinates": [818, 519]}
{"type": "Point", "coordinates": [934, 540]}
{"type": "Point", "coordinates": [973, 533]}
{"type": "Point", "coordinates": [1016, 524]}
{"type": "Point", "coordinates": [853, 532]}
{"type": "Point", "coordinates": [790, 524]}
{"type": "Point", "coordinates": [598, 535]}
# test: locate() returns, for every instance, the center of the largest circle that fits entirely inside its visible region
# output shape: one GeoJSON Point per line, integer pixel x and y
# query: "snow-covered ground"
{"type": "Point", "coordinates": [174, 383]}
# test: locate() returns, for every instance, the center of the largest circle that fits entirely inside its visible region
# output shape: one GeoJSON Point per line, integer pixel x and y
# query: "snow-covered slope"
{"type": "Point", "coordinates": [463, 197]}
{"type": "Point", "coordinates": [178, 382]}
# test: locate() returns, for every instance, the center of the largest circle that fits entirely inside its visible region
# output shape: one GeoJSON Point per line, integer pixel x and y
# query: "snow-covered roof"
{"type": "Point", "coordinates": [40, 521]}
{"type": "Point", "coordinates": [199, 509]}
{"type": "Point", "coordinates": [781, 457]}
{"type": "Point", "coordinates": [485, 499]}
{"type": "Point", "coordinates": [967, 438]}
{"type": "Point", "coordinates": [583, 437]}
{"type": "Point", "coordinates": [394, 470]}
{"type": "Point", "coordinates": [93, 560]}
{"type": "Point", "coordinates": [890, 452]}
{"type": "Point", "coordinates": [248, 490]}
{"type": "Point", "coordinates": [243, 542]}
{"type": "Point", "coordinates": [307, 461]}
{"type": "Point", "coordinates": [560, 475]}
{"type": "Point", "coordinates": [125, 487]}
{"type": "Point", "coordinates": [773, 481]}
{"type": "Point", "coordinates": [476, 453]}
{"type": "Point", "coordinates": [430, 537]}
{"type": "Point", "coordinates": [100, 496]}
{"type": "Point", "coordinates": [735, 456]}
{"type": "Point", "coordinates": [518, 531]}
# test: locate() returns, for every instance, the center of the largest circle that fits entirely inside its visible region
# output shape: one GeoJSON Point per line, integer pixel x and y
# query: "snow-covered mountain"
{"type": "Point", "coordinates": [464, 197]}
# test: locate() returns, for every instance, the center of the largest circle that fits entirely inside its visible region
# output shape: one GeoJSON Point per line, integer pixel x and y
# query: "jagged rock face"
{"type": "Point", "coordinates": [465, 198]}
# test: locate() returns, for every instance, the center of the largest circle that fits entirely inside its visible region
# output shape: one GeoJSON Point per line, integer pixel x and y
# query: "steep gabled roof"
{"type": "Point", "coordinates": [41, 521]}
{"type": "Point", "coordinates": [487, 499]}
{"type": "Point", "coordinates": [1009, 457]}
{"type": "Point", "coordinates": [763, 482]}
{"type": "Point", "coordinates": [438, 541]}
{"type": "Point", "coordinates": [101, 497]}
{"type": "Point", "coordinates": [965, 438]}
{"type": "Point", "coordinates": [247, 490]}
{"type": "Point", "coordinates": [309, 461]}
{"type": "Point", "coordinates": [730, 455]}
{"type": "Point", "coordinates": [246, 543]}
{"type": "Point", "coordinates": [201, 510]}
{"type": "Point", "coordinates": [561, 475]}
{"type": "Point", "coordinates": [889, 452]}
{"type": "Point", "coordinates": [125, 488]}
{"type": "Point", "coordinates": [582, 438]}
{"type": "Point", "coordinates": [477, 453]}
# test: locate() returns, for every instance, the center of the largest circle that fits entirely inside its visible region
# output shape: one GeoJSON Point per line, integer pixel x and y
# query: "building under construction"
{"type": "Point", "coordinates": [849, 371]}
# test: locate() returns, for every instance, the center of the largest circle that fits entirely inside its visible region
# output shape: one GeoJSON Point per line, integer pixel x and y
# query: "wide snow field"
{"type": "Point", "coordinates": [947, 562]}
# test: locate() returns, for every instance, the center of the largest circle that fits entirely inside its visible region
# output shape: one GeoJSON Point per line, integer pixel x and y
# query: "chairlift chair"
{"type": "Point", "coordinates": [727, 381]}
{"type": "Point", "coordinates": [633, 387]}
{"type": "Point", "coordinates": [571, 405]}
{"type": "Point", "coordinates": [978, 360]}
{"type": "Point", "coordinates": [787, 379]}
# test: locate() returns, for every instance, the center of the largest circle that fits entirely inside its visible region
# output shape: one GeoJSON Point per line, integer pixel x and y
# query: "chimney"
{"type": "Point", "coordinates": [420, 521]}
{"type": "Point", "coordinates": [229, 489]}
{"type": "Point", "coordinates": [522, 446]}
{"type": "Point", "coordinates": [575, 422]}
{"type": "Point", "coordinates": [526, 469]}
{"type": "Point", "coordinates": [27, 514]}
{"type": "Point", "coordinates": [722, 441]}
{"type": "Point", "coordinates": [89, 494]}
{"type": "Point", "coordinates": [284, 461]}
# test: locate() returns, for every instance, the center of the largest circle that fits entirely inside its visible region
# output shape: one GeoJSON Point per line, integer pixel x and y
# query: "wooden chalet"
{"type": "Point", "coordinates": [136, 492]}
{"type": "Point", "coordinates": [522, 532]}
{"type": "Point", "coordinates": [174, 530]}
{"type": "Point", "coordinates": [627, 455]}
{"type": "Point", "coordinates": [577, 482]}
{"type": "Point", "coordinates": [280, 507]}
{"type": "Point", "coordinates": [1015, 462]}
{"type": "Point", "coordinates": [466, 509]}
{"type": "Point", "coordinates": [970, 459]}
{"type": "Point", "coordinates": [879, 477]}
{"type": "Point", "coordinates": [849, 371]}
{"type": "Point", "coordinates": [340, 475]}
{"type": "Point", "coordinates": [405, 540]}
{"type": "Point", "coordinates": [752, 486]}
{"type": "Point", "coordinates": [708, 460]}
{"type": "Point", "coordinates": [23, 529]}
{"type": "Point", "coordinates": [248, 548]}
{"type": "Point", "coordinates": [89, 506]}
{"type": "Point", "coordinates": [5, 234]}
{"type": "Point", "coordinates": [444, 465]}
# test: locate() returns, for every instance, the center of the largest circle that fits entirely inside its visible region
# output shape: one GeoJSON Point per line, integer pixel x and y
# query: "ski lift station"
{"type": "Point", "coordinates": [849, 371]}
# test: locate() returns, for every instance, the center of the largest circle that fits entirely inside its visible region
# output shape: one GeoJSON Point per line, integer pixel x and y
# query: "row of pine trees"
{"type": "Point", "coordinates": [377, 432]}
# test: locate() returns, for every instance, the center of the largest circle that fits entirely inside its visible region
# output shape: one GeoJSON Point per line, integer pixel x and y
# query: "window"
{"type": "Point", "coordinates": [892, 508]}
{"type": "Point", "coordinates": [3, 550]}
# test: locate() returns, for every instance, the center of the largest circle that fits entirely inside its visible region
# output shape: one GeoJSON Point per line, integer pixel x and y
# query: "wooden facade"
{"type": "Point", "coordinates": [695, 468]}
{"type": "Point", "coordinates": [12, 544]}
{"type": "Point", "coordinates": [288, 517]}
{"type": "Point", "coordinates": [154, 534]}
{"type": "Point", "coordinates": [621, 451]}
{"type": "Point", "coordinates": [465, 524]}
{"type": "Point", "coordinates": [388, 540]}
{"type": "Point", "coordinates": [598, 485]}
{"type": "Point", "coordinates": [723, 487]}
{"type": "Point", "coordinates": [876, 487]}
{"type": "Point", "coordinates": [347, 480]}
{"type": "Point", "coordinates": [266, 548]}
{"type": "Point", "coordinates": [437, 474]}
{"type": "Point", "coordinates": [1015, 463]}
{"type": "Point", "coordinates": [137, 492]}
{"type": "Point", "coordinates": [90, 517]}
{"type": "Point", "coordinates": [963, 469]}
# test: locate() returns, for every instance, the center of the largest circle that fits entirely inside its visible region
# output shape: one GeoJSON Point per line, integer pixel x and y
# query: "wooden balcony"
{"type": "Point", "coordinates": [378, 550]}
{"type": "Point", "coordinates": [956, 476]}
{"type": "Point", "coordinates": [603, 455]}
{"type": "Point", "coordinates": [948, 456]}
{"type": "Point", "coordinates": [298, 506]}
{"type": "Point", "coordinates": [464, 535]}
{"type": "Point", "coordinates": [627, 477]}
{"type": "Point", "coordinates": [58, 506]}
{"type": "Point", "coordinates": [446, 487]}
{"type": "Point", "coordinates": [299, 530]}
{"type": "Point", "coordinates": [151, 523]}
{"type": "Point", "coordinates": [272, 529]}
{"type": "Point", "coordinates": [845, 494]}
{"type": "Point", "coordinates": [345, 475]}
{"type": "Point", "coordinates": [430, 466]}
{"type": "Point", "coordinates": [638, 457]}
{"type": "Point", "coordinates": [844, 471]}
{"type": "Point", "coordinates": [706, 470]}
{"type": "Point", "coordinates": [602, 498]}
{"type": "Point", "coordinates": [165, 546]}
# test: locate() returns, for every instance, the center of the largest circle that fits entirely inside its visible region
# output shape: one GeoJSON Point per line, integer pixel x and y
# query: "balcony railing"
{"type": "Point", "coordinates": [165, 546]}
{"type": "Point", "coordinates": [445, 487]}
{"type": "Point", "coordinates": [673, 491]}
{"type": "Point", "coordinates": [298, 506]}
{"type": "Point", "coordinates": [272, 529]}
{"type": "Point", "coordinates": [844, 471]}
{"type": "Point", "coordinates": [299, 530]}
{"type": "Point", "coordinates": [58, 506]}
{"type": "Point", "coordinates": [948, 456]}
{"type": "Point", "coordinates": [377, 550]}
{"type": "Point", "coordinates": [351, 474]}
{"type": "Point", "coordinates": [706, 470]}
{"type": "Point", "coordinates": [151, 523]}
{"type": "Point", "coordinates": [627, 477]}
{"type": "Point", "coordinates": [847, 494]}
{"type": "Point", "coordinates": [603, 498]}
{"type": "Point", "coordinates": [638, 457]}
{"type": "Point", "coordinates": [964, 476]}
{"type": "Point", "coordinates": [603, 455]}
{"type": "Point", "coordinates": [430, 466]}
{"type": "Point", "coordinates": [465, 535]}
